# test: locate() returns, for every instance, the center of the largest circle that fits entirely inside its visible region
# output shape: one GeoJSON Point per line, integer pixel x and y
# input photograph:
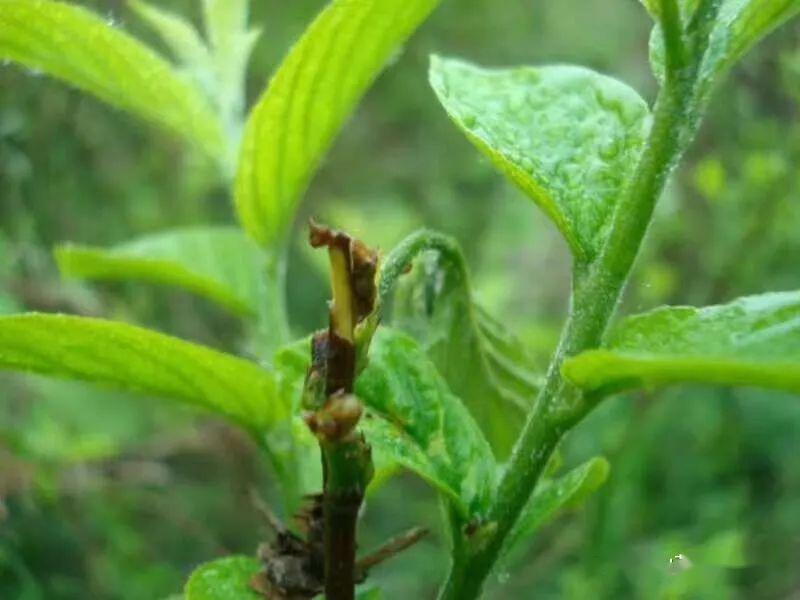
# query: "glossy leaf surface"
{"type": "Point", "coordinates": [568, 137]}
{"type": "Point", "coordinates": [224, 579]}
{"type": "Point", "coordinates": [219, 263]}
{"type": "Point", "coordinates": [131, 358]}
{"type": "Point", "coordinates": [308, 101]}
{"type": "Point", "coordinates": [753, 341]}
{"type": "Point", "coordinates": [78, 47]}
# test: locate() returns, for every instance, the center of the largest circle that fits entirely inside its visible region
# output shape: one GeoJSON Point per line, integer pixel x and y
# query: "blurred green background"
{"type": "Point", "coordinates": [107, 495]}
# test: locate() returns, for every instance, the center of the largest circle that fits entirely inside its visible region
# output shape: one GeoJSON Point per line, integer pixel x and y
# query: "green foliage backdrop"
{"type": "Point", "coordinates": [104, 495]}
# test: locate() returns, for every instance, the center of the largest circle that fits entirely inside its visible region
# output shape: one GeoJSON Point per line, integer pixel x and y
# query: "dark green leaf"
{"type": "Point", "coordinates": [414, 420]}
{"type": "Point", "coordinates": [224, 579]}
{"type": "Point", "coordinates": [754, 341]}
{"type": "Point", "coordinates": [219, 263]}
{"type": "Point", "coordinates": [78, 47]}
{"type": "Point", "coordinates": [568, 137]}
{"type": "Point", "coordinates": [131, 358]}
{"type": "Point", "coordinates": [483, 364]}
{"type": "Point", "coordinates": [308, 101]}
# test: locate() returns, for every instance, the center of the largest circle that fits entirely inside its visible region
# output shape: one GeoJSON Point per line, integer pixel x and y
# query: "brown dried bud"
{"type": "Point", "coordinates": [337, 419]}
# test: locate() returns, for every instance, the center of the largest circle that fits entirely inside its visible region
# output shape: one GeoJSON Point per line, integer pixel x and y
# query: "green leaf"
{"type": "Point", "coordinates": [232, 44]}
{"type": "Point", "coordinates": [177, 33]}
{"type": "Point", "coordinates": [755, 20]}
{"type": "Point", "coordinates": [219, 263]}
{"type": "Point", "coordinates": [298, 451]}
{"type": "Point", "coordinates": [686, 7]}
{"type": "Point", "coordinates": [554, 495]}
{"type": "Point", "coordinates": [78, 47]}
{"type": "Point", "coordinates": [753, 341]}
{"type": "Point", "coordinates": [131, 358]}
{"type": "Point", "coordinates": [570, 138]}
{"type": "Point", "coordinates": [414, 420]}
{"type": "Point", "coordinates": [483, 364]}
{"type": "Point", "coordinates": [224, 579]}
{"type": "Point", "coordinates": [225, 21]}
{"type": "Point", "coordinates": [308, 101]}
{"type": "Point", "coordinates": [739, 25]}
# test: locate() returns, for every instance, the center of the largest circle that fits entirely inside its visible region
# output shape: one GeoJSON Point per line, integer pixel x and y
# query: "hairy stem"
{"type": "Point", "coordinates": [597, 288]}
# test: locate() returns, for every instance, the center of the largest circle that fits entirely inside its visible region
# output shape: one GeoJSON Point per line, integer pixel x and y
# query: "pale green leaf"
{"type": "Point", "coordinates": [224, 579]}
{"type": "Point", "coordinates": [131, 358]}
{"type": "Point", "coordinates": [224, 20]}
{"type": "Point", "coordinates": [739, 25]}
{"type": "Point", "coordinates": [232, 44]}
{"type": "Point", "coordinates": [219, 263]}
{"type": "Point", "coordinates": [297, 453]}
{"type": "Point", "coordinates": [177, 33]}
{"type": "Point", "coordinates": [413, 419]}
{"type": "Point", "coordinates": [754, 341]}
{"type": "Point", "coordinates": [754, 20]}
{"type": "Point", "coordinates": [78, 47]}
{"type": "Point", "coordinates": [570, 138]}
{"type": "Point", "coordinates": [308, 101]}
{"type": "Point", "coordinates": [554, 495]}
{"type": "Point", "coordinates": [483, 363]}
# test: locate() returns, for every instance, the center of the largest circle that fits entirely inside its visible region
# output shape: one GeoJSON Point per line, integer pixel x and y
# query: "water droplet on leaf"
{"type": "Point", "coordinates": [680, 562]}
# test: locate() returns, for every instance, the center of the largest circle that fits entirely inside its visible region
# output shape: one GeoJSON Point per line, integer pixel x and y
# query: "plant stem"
{"type": "Point", "coordinates": [334, 411]}
{"type": "Point", "coordinates": [674, 47]}
{"type": "Point", "coordinates": [345, 465]}
{"type": "Point", "coordinates": [272, 326]}
{"type": "Point", "coordinates": [597, 288]}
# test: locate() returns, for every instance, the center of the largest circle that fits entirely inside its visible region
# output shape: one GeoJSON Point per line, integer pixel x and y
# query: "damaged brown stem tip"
{"type": "Point", "coordinates": [332, 411]}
